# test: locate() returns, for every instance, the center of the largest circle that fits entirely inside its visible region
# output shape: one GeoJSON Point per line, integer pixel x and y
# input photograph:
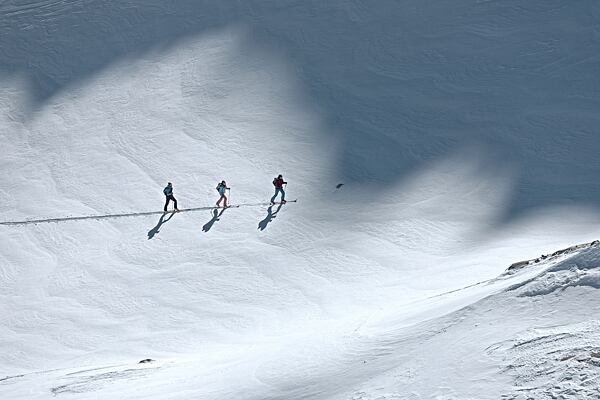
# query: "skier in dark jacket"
{"type": "Point", "coordinates": [168, 191]}
{"type": "Point", "coordinates": [221, 188]}
{"type": "Point", "coordinates": [278, 183]}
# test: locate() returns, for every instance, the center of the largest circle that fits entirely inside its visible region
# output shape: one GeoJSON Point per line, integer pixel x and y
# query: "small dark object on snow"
{"type": "Point", "coordinates": [146, 360]}
{"type": "Point", "coordinates": [518, 265]}
{"type": "Point", "coordinates": [339, 185]}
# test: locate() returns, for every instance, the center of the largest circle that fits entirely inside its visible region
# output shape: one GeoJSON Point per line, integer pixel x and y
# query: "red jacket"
{"type": "Point", "coordinates": [278, 182]}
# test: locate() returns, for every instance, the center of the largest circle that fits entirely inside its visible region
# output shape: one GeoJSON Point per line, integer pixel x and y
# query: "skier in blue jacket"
{"type": "Point", "coordinates": [168, 191]}
{"type": "Point", "coordinates": [221, 188]}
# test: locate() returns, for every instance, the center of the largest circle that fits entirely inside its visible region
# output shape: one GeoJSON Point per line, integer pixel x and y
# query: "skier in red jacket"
{"type": "Point", "coordinates": [278, 183]}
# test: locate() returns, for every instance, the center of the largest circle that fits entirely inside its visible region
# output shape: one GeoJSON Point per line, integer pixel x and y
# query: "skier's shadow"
{"type": "Point", "coordinates": [262, 225]}
{"type": "Point", "coordinates": [152, 232]}
{"type": "Point", "coordinates": [215, 218]}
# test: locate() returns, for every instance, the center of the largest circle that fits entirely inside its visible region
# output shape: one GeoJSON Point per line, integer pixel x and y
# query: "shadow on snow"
{"type": "Point", "coordinates": [395, 94]}
{"type": "Point", "coordinates": [216, 216]}
{"type": "Point", "coordinates": [152, 232]}
{"type": "Point", "coordinates": [262, 225]}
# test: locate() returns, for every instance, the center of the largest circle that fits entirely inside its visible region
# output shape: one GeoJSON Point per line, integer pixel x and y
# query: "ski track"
{"type": "Point", "coordinates": [136, 214]}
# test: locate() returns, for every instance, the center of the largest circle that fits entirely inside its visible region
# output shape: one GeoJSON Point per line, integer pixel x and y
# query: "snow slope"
{"type": "Point", "coordinates": [464, 135]}
{"type": "Point", "coordinates": [535, 339]}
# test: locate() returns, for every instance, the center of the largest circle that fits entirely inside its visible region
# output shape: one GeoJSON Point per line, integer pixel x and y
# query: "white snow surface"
{"type": "Point", "coordinates": [465, 135]}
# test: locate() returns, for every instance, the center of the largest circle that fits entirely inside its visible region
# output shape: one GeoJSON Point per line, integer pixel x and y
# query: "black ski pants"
{"type": "Point", "coordinates": [169, 198]}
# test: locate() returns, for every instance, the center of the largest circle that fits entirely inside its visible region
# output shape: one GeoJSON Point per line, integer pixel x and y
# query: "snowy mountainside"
{"type": "Point", "coordinates": [429, 145]}
{"type": "Point", "coordinates": [536, 338]}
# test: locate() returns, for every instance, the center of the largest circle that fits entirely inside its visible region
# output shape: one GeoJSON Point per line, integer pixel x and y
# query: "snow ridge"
{"type": "Point", "coordinates": [533, 340]}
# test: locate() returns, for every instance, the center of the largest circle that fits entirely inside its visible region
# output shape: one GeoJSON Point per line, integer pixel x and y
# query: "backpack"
{"type": "Point", "coordinates": [219, 187]}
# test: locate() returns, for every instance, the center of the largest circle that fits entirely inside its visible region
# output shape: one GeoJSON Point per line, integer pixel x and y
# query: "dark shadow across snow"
{"type": "Point", "coordinates": [399, 84]}
{"type": "Point", "coordinates": [216, 215]}
{"type": "Point", "coordinates": [262, 225]}
{"type": "Point", "coordinates": [152, 232]}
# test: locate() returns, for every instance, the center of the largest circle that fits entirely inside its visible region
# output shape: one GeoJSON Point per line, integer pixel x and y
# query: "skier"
{"type": "Point", "coordinates": [221, 188]}
{"type": "Point", "coordinates": [168, 191]}
{"type": "Point", "coordinates": [278, 183]}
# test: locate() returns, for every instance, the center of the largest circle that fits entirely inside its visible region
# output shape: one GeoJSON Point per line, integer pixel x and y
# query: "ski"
{"type": "Point", "coordinates": [287, 201]}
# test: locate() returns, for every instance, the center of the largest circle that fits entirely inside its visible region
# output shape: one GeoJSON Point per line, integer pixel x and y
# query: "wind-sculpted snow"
{"type": "Point", "coordinates": [555, 362]}
{"type": "Point", "coordinates": [583, 269]}
{"type": "Point", "coordinates": [561, 280]}
{"type": "Point", "coordinates": [508, 345]}
{"type": "Point", "coordinates": [429, 144]}
{"type": "Point", "coordinates": [89, 381]}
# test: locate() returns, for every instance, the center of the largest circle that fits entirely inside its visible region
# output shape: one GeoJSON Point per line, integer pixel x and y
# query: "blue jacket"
{"type": "Point", "coordinates": [168, 190]}
{"type": "Point", "coordinates": [221, 188]}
